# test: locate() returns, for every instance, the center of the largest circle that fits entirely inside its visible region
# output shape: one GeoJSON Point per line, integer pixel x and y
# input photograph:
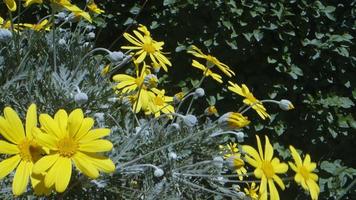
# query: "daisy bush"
{"type": "Point", "coordinates": [85, 122]}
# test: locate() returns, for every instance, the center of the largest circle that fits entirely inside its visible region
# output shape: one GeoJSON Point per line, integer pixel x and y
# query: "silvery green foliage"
{"type": "Point", "coordinates": [146, 167]}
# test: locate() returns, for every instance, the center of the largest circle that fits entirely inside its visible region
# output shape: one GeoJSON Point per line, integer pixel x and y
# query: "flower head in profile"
{"type": "Point", "coordinates": [249, 99]}
{"type": "Point", "coordinates": [266, 167]}
{"type": "Point", "coordinates": [211, 61]}
{"type": "Point", "coordinates": [94, 8]}
{"type": "Point", "coordinates": [304, 173]}
{"type": "Point", "coordinates": [233, 120]}
{"type": "Point", "coordinates": [71, 140]}
{"type": "Point", "coordinates": [11, 5]}
{"type": "Point", "coordinates": [22, 146]}
{"type": "Point", "coordinates": [233, 157]}
{"type": "Point", "coordinates": [145, 46]}
{"type": "Point", "coordinates": [207, 71]}
{"type": "Point", "coordinates": [43, 25]}
{"type": "Point", "coordinates": [211, 110]}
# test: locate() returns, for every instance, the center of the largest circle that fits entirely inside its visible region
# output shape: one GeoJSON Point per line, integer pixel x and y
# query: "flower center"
{"type": "Point", "coordinates": [29, 150]}
{"type": "Point", "coordinates": [267, 169]}
{"type": "Point", "coordinates": [159, 101]}
{"type": "Point", "coordinates": [67, 147]}
{"type": "Point", "coordinates": [304, 172]}
{"type": "Point", "coordinates": [148, 45]}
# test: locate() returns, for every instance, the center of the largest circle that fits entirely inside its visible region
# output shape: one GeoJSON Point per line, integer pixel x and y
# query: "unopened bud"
{"type": "Point", "coordinates": [5, 35]}
{"type": "Point", "coordinates": [81, 98]}
{"type": "Point", "coordinates": [285, 105]}
{"type": "Point", "coordinates": [158, 172]}
{"type": "Point", "coordinates": [199, 92]}
{"type": "Point", "coordinates": [91, 35]}
{"type": "Point", "coordinates": [116, 56]}
{"type": "Point", "coordinates": [190, 120]}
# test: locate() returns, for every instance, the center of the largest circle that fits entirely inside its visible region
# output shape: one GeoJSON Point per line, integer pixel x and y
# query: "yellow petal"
{"type": "Point", "coordinates": [63, 176]}
{"type": "Point", "coordinates": [141, 57]}
{"type": "Point", "coordinates": [295, 156]}
{"type": "Point", "coordinates": [8, 148]}
{"type": "Point", "coordinates": [95, 134]}
{"type": "Point", "coordinates": [75, 121]}
{"type": "Point", "coordinates": [102, 163]}
{"type": "Point", "coordinates": [279, 182]}
{"type": "Point", "coordinates": [273, 190]}
{"type": "Point", "coordinates": [82, 162]}
{"type": "Point", "coordinates": [268, 150]}
{"type": "Point", "coordinates": [21, 177]}
{"type": "Point", "coordinates": [8, 132]}
{"type": "Point", "coordinates": [96, 146]}
{"type": "Point", "coordinates": [31, 120]}
{"type": "Point", "coordinates": [61, 117]}
{"type": "Point", "coordinates": [87, 124]}
{"type": "Point", "coordinates": [259, 146]}
{"type": "Point", "coordinates": [11, 5]}
{"type": "Point", "coordinates": [8, 165]}
{"type": "Point", "coordinates": [50, 125]}
{"type": "Point", "coordinates": [45, 139]}
{"type": "Point", "coordinates": [45, 163]}
{"type": "Point", "coordinates": [53, 172]}
{"type": "Point", "coordinates": [252, 152]}
{"type": "Point", "coordinates": [15, 123]}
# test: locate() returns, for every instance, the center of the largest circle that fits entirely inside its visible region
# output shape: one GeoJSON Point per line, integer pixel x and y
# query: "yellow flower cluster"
{"type": "Point", "coordinates": [267, 169]}
{"type": "Point", "coordinates": [45, 155]}
{"type": "Point", "coordinates": [142, 90]}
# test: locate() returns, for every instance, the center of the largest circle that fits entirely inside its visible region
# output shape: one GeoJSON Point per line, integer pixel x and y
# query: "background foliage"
{"type": "Point", "coordinates": [300, 50]}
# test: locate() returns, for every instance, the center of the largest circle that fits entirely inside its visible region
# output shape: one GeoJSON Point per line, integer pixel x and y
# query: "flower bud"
{"type": "Point", "coordinates": [199, 92]}
{"type": "Point", "coordinates": [285, 105]}
{"type": "Point", "coordinates": [235, 162]}
{"type": "Point", "coordinates": [5, 35]}
{"type": "Point", "coordinates": [172, 155]}
{"type": "Point", "coordinates": [150, 81]}
{"type": "Point", "coordinates": [91, 35]}
{"type": "Point", "coordinates": [240, 136]}
{"type": "Point", "coordinates": [218, 161]}
{"type": "Point", "coordinates": [190, 120]}
{"type": "Point", "coordinates": [177, 98]}
{"type": "Point", "coordinates": [116, 56]}
{"type": "Point", "coordinates": [81, 98]}
{"type": "Point", "coordinates": [158, 172]}
{"type": "Point", "coordinates": [233, 120]}
{"type": "Point", "coordinates": [211, 110]}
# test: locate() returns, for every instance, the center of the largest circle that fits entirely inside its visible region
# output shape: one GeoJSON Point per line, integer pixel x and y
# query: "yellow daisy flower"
{"type": "Point", "coordinates": [11, 5]}
{"type": "Point", "coordinates": [159, 103]}
{"type": "Point", "coordinates": [304, 173]}
{"type": "Point", "coordinates": [211, 61]}
{"type": "Point", "coordinates": [207, 71]}
{"type": "Point", "coordinates": [266, 168]}
{"type": "Point", "coordinates": [233, 156]}
{"type": "Point", "coordinates": [249, 99]}
{"type": "Point", "coordinates": [94, 8]}
{"type": "Point", "coordinates": [252, 191]}
{"type": "Point", "coordinates": [22, 147]}
{"type": "Point", "coordinates": [144, 46]}
{"type": "Point", "coordinates": [71, 140]}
